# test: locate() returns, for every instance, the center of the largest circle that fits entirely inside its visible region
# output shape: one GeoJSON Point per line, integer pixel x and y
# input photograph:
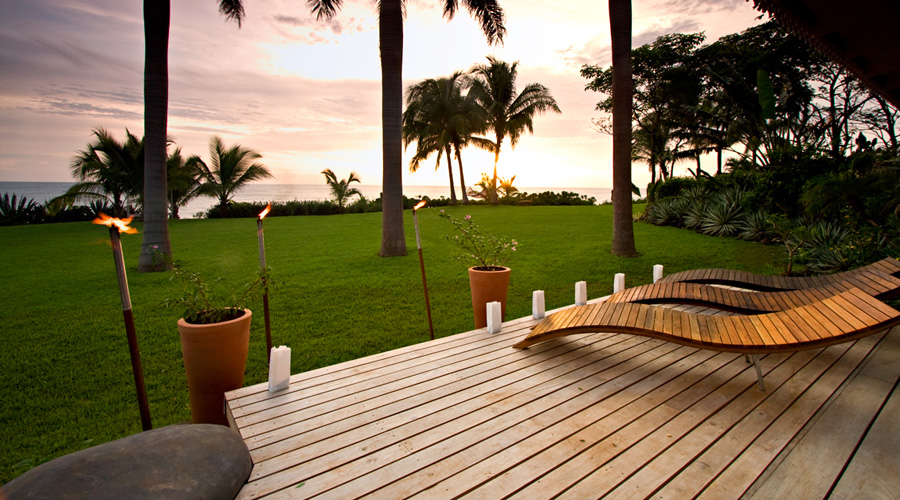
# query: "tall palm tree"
{"type": "Point", "coordinates": [505, 112]}
{"type": "Point", "coordinates": [622, 86]}
{"type": "Point", "coordinates": [156, 103]}
{"type": "Point", "coordinates": [390, 38]}
{"type": "Point", "coordinates": [341, 189]}
{"type": "Point", "coordinates": [108, 171]}
{"type": "Point", "coordinates": [438, 118]}
{"type": "Point", "coordinates": [232, 169]}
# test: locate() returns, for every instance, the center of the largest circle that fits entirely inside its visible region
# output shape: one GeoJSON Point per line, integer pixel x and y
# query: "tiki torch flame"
{"type": "Point", "coordinates": [262, 215]}
{"type": "Point", "coordinates": [120, 224]}
{"type": "Point", "coordinates": [419, 205]}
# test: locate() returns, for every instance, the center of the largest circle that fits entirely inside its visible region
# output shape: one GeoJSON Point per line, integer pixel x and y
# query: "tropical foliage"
{"type": "Point", "coordinates": [108, 171]}
{"type": "Point", "coordinates": [340, 188]}
{"type": "Point", "coordinates": [230, 169]}
{"type": "Point", "coordinates": [488, 13]}
{"type": "Point", "coordinates": [502, 109]}
{"type": "Point", "coordinates": [439, 118]}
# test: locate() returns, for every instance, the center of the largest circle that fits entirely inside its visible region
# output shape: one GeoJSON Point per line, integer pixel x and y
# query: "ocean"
{"type": "Point", "coordinates": [43, 191]}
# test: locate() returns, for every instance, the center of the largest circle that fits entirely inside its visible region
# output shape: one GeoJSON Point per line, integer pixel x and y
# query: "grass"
{"type": "Point", "coordinates": [67, 380]}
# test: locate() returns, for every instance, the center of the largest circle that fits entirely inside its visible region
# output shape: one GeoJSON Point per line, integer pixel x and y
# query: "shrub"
{"type": "Point", "coordinates": [23, 211]}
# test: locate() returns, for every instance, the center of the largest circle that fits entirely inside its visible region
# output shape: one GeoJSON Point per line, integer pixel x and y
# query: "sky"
{"type": "Point", "coordinates": [306, 94]}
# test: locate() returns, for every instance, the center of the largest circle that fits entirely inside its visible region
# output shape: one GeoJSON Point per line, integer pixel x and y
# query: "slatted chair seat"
{"type": "Point", "coordinates": [843, 317]}
{"type": "Point", "coordinates": [870, 279]}
{"type": "Point", "coordinates": [751, 302]}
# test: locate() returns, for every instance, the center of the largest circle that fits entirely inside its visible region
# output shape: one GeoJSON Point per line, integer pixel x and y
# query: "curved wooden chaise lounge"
{"type": "Point", "coordinates": [861, 278]}
{"type": "Point", "coordinates": [843, 317]}
{"type": "Point", "coordinates": [875, 283]}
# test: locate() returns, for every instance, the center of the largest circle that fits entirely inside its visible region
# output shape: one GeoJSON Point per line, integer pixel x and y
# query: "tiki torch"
{"type": "Point", "coordinates": [117, 226]}
{"type": "Point", "coordinates": [422, 265]}
{"type": "Point", "coordinates": [262, 265]}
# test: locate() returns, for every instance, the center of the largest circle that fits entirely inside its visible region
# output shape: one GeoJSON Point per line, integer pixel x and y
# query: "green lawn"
{"type": "Point", "coordinates": [66, 376]}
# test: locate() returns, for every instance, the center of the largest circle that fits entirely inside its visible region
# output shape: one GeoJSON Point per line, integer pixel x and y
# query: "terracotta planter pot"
{"type": "Point", "coordinates": [488, 286]}
{"type": "Point", "coordinates": [215, 356]}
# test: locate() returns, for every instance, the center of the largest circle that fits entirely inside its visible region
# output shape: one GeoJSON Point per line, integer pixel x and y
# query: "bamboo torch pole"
{"type": "Point", "coordinates": [137, 370]}
{"type": "Point", "coordinates": [422, 265]}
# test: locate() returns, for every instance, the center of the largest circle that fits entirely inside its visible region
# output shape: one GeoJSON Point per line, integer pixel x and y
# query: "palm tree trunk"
{"type": "Point", "coordinates": [462, 179]}
{"type": "Point", "coordinates": [620, 30]}
{"type": "Point", "coordinates": [390, 37]}
{"type": "Point", "coordinates": [453, 200]}
{"type": "Point", "coordinates": [156, 102]}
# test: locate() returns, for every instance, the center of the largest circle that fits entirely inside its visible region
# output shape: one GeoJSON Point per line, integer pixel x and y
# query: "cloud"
{"type": "Point", "coordinates": [599, 52]}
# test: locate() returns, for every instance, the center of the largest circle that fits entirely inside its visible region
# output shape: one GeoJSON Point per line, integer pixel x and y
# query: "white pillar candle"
{"type": "Point", "coordinates": [537, 304]}
{"type": "Point", "coordinates": [619, 282]}
{"type": "Point", "coordinates": [657, 272]}
{"type": "Point", "coordinates": [279, 368]}
{"type": "Point", "coordinates": [494, 317]}
{"type": "Point", "coordinates": [581, 293]}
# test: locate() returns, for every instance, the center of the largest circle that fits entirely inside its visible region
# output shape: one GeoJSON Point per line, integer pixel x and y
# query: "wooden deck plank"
{"type": "Point", "coordinates": [840, 361]}
{"type": "Point", "coordinates": [706, 467]}
{"type": "Point", "coordinates": [481, 461]}
{"type": "Point", "coordinates": [875, 467]}
{"type": "Point", "coordinates": [631, 404]}
{"type": "Point", "coordinates": [377, 448]}
{"type": "Point", "coordinates": [608, 475]}
{"type": "Point", "coordinates": [372, 473]}
{"type": "Point", "coordinates": [635, 416]}
{"type": "Point", "coordinates": [803, 474]}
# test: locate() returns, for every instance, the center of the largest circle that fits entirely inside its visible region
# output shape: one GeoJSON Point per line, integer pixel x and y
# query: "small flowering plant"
{"type": "Point", "coordinates": [488, 252]}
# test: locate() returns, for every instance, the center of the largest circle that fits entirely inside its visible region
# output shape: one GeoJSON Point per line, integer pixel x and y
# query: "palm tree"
{"type": "Point", "coordinates": [505, 112]}
{"type": "Point", "coordinates": [232, 169]}
{"type": "Point", "coordinates": [439, 119]}
{"type": "Point", "coordinates": [620, 31]}
{"type": "Point", "coordinates": [341, 188]}
{"type": "Point", "coordinates": [182, 180]}
{"type": "Point", "coordinates": [156, 103]}
{"type": "Point", "coordinates": [108, 171]}
{"type": "Point", "coordinates": [390, 39]}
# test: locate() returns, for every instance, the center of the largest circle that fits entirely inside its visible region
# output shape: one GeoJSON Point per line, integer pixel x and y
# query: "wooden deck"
{"type": "Point", "coordinates": [586, 416]}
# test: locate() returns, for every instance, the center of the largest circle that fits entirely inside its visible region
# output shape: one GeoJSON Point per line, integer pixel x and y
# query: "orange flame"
{"type": "Point", "coordinates": [120, 224]}
{"type": "Point", "coordinates": [262, 215]}
{"type": "Point", "coordinates": [419, 205]}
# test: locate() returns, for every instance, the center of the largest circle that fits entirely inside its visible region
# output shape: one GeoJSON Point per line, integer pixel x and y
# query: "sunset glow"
{"type": "Point", "coordinates": [307, 94]}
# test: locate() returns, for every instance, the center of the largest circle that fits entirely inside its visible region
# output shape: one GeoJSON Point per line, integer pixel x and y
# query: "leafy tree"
{"type": "Point", "coordinates": [439, 118]}
{"type": "Point", "coordinates": [666, 82]}
{"type": "Point", "coordinates": [390, 38]}
{"type": "Point", "coordinates": [107, 171]}
{"type": "Point", "coordinates": [505, 112]}
{"type": "Point", "coordinates": [232, 169]}
{"type": "Point", "coordinates": [341, 189]}
{"type": "Point", "coordinates": [182, 180]}
{"type": "Point", "coordinates": [155, 242]}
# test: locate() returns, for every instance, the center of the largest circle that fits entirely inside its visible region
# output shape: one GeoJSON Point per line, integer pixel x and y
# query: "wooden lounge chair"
{"type": "Point", "coordinates": [846, 316]}
{"type": "Point", "coordinates": [874, 283]}
{"type": "Point", "coordinates": [867, 278]}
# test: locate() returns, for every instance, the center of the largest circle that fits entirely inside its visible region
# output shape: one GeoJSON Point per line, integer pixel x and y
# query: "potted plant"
{"type": "Point", "coordinates": [489, 276]}
{"type": "Point", "coordinates": [215, 339]}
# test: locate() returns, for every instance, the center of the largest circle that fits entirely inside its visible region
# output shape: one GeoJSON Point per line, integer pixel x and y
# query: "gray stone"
{"type": "Point", "coordinates": [193, 462]}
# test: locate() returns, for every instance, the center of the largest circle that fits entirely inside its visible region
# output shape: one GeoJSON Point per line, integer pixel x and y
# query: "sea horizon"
{"type": "Point", "coordinates": [41, 192]}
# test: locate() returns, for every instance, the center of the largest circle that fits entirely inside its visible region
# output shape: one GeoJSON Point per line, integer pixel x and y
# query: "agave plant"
{"type": "Point", "coordinates": [756, 226]}
{"type": "Point", "coordinates": [22, 211]}
{"type": "Point", "coordinates": [724, 215]}
{"type": "Point", "coordinates": [666, 212]}
{"type": "Point", "coordinates": [693, 214]}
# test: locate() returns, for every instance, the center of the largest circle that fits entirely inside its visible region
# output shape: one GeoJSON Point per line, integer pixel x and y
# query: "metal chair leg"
{"type": "Point", "coordinates": [759, 374]}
